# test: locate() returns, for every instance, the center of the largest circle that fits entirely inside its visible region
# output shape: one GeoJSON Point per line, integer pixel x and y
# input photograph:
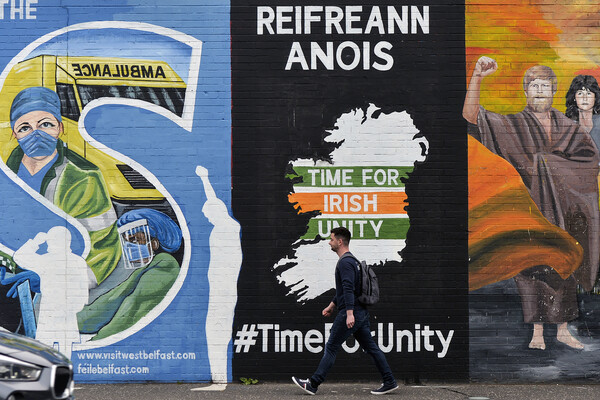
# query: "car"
{"type": "Point", "coordinates": [30, 370]}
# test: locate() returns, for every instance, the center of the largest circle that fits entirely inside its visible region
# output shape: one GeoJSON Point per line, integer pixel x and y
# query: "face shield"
{"type": "Point", "coordinates": [136, 244]}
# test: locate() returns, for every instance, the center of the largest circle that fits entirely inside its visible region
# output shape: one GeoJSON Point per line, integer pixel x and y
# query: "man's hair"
{"type": "Point", "coordinates": [581, 82]}
{"type": "Point", "coordinates": [342, 233]}
{"type": "Point", "coordinates": [539, 72]}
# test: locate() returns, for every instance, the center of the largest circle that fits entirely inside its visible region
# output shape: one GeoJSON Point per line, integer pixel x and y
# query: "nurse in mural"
{"type": "Point", "coordinates": [148, 237]}
{"type": "Point", "coordinates": [43, 161]}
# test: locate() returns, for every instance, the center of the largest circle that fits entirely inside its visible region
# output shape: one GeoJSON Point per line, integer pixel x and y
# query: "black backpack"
{"type": "Point", "coordinates": [369, 286]}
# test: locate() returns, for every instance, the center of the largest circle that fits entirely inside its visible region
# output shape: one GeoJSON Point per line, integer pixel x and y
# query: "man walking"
{"type": "Point", "coordinates": [352, 319]}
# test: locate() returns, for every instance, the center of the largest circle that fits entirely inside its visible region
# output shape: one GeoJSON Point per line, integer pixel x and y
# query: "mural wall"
{"type": "Point", "coordinates": [353, 117]}
{"type": "Point", "coordinates": [533, 190]}
{"type": "Point", "coordinates": [118, 245]}
{"type": "Point", "coordinates": [170, 174]}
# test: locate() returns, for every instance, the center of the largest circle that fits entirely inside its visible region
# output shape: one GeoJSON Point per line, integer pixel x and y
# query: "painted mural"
{"type": "Point", "coordinates": [533, 190]}
{"type": "Point", "coordinates": [356, 189]}
{"type": "Point", "coordinates": [167, 184]}
{"type": "Point", "coordinates": [341, 116]}
{"type": "Point", "coordinates": [115, 201]}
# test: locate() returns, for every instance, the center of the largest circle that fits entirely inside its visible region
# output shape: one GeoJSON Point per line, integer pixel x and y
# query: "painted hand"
{"type": "Point", "coordinates": [485, 66]}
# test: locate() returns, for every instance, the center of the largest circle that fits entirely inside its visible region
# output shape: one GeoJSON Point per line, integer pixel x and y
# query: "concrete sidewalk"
{"type": "Point", "coordinates": [287, 390]}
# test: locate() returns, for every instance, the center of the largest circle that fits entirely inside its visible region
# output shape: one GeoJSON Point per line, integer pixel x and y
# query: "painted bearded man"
{"type": "Point", "coordinates": [558, 163]}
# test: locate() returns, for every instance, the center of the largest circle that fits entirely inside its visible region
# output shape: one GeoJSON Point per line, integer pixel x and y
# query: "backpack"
{"type": "Point", "coordinates": [369, 286]}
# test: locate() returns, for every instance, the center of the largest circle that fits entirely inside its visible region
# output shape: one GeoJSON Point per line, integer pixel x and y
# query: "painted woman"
{"type": "Point", "coordinates": [583, 104]}
{"type": "Point", "coordinates": [45, 163]}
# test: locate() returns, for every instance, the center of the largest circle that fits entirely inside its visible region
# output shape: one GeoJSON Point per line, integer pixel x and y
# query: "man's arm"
{"type": "Point", "coordinates": [327, 311]}
{"type": "Point", "coordinates": [349, 318]}
{"type": "Point", "coordinates": [485, 66]}
{"type": "Point", "coordinates": [348, 273]}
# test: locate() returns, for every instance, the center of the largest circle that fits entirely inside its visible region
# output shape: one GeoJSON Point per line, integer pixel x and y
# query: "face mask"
{"type": "Point", "coordinates": [38, 144]}
{"type": "Point", "coordinates": [138, 255]}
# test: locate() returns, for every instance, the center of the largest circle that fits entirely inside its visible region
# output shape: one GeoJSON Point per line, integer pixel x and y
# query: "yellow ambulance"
{"type": "Point", "coordinates": [78, 81]}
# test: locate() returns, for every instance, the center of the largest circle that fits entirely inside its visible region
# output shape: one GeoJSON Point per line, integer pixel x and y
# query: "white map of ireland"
{"type": "Point", "coordinates": [361, 188]}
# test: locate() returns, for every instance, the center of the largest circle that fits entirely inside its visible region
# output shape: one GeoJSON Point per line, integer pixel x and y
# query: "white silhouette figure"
{"type": "Point", "coordinates": [64, 281]}
{"type": "Point", "coordinates": [223, 271]}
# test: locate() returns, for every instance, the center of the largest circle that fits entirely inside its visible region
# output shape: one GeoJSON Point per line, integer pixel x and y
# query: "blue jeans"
{"type": "Point", "coordinates": [362, 332]}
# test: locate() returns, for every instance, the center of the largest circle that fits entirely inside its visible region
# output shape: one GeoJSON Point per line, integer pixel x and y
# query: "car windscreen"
{"type": "Point", "coordinates": [68, 101]}
{"type": "Point", "coordinates": [171, 99]}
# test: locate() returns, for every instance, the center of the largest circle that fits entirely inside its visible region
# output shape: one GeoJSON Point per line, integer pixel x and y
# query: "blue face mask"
{"type": "Point", "coordinates": [38, 144]}
{"type": "Point", "coordinates": [136, 252]}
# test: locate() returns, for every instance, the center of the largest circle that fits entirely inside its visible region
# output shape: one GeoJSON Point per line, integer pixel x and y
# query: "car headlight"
{"type": "Point", "coordinates": [13, 369]}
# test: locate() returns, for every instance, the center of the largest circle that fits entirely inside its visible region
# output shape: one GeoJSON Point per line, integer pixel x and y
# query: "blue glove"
{"type": "Point", "coordinates": [34, 281]}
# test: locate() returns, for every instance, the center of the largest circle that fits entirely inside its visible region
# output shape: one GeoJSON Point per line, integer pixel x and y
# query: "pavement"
{"type": "Point", "coordinates": [359, 390]}
{"type": "Point", "coordinates": [493, 357]}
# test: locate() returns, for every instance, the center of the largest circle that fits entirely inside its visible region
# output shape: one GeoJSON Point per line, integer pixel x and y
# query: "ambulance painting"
{"type": "Point", "coordinates": [69, 77]}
